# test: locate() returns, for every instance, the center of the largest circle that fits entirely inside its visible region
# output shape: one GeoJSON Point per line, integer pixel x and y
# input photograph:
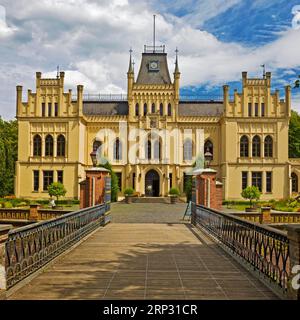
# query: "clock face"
{"type": "Point", "coordinates": [153, 65]}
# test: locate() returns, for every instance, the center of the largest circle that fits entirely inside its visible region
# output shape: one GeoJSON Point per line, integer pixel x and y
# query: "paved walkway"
{"type": "Point", "coordinates": [145, 261]}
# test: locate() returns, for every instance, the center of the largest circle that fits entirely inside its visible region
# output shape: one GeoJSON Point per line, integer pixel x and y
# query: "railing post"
{"type": "Point", "coordinates": [33, 212]}
{"type": "Point", "coordinates": [266, 215]}
{"type": "Point", "coordinates": [3, 284]}
{"type": "Point", "coordinates": [294, 249]}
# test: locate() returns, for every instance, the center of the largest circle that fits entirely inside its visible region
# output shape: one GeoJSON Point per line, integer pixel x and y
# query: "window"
{"type": "Point", "coordinates": [47, 179]}
{"type": "Point", "coordinates": [250, 109]}
{"type": "Point", "coordinates": [43, 109]}
{"type": "Point", "coordinates": [269, 182]}
{"type": "Point", "coordinates": [157, 150]}
{"type": "Point", "coordinates": [145, 109]}
{"type": "Point", "coordinates": [37, 145]}
{"type": "Point", "coordinates": [188, 149]}
{"type": "Point", "coordinates": [294, 182]}
{"type": "Point", "coordinates": [170, 180]}
{"type": "Point", "coordinates": [148, 154]}
{"type": "Point", "coordinates": [256, 109]}
{"type": "Point", "coordinates": [96, 145]}
{"type": "Point", "coordinates": [60, 176]}
{"type": "Point", "coordinates": [117, 149]}
{"type": "Point", "coordinates": [161, 109]}
{"type": "Point", "coordinates": [153, 108]}
{"type": "Point", "coordinates": [268, 146]}
{"type": "Point", "coordinates": [137, 110]}
{"type": "Point", "coordinates": [169, 110]}
{"type": "Point", "coordinates": [36, 180]}
{"type": "Point", "coordinates": [49, 145]}
{"type": "Point", "coordinates": [61, 146]}
{"type": "Point", "coordinates": [133, 181]}
{"type": "Point", "coordinates": [49, 109]}
{"type": "Point", "coordinates": [256, 146]}
{"type": "Point", "coordinates": [244, 147]}
{"type": "Point", "coordinates": [262, 109]}
{"type": "Point", "coordinates": [119, 176]}
{"type": "Point", "coordinates": [244, 180]}
{"type": "Point", "coordinates": [257, 180]}
{"type": "Point", "coordinates": [56, 109]}
{"type": "Point", "coordinates": [208, 147]}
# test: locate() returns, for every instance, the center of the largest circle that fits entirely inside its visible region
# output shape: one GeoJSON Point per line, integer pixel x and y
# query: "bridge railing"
{"type": "Point", "coordinates": [262, 248]}
{"type": "Point", "coordinates": [28, 248]}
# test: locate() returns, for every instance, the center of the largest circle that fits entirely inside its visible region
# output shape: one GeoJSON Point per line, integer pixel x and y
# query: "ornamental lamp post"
{"type": "Point", "coordinates": [93, 156]}
{"type": "Point", "coordinates": [207, 158]}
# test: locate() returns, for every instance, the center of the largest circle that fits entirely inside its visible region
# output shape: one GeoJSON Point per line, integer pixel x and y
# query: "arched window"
{"type": "Point", "coordinates": [157, 149]}
{"type": "Point", "coordinates": [188, 149]}
{"type": "Point", "coordinates": [244, 146]}
{"type": "Point", "coordinates": [161, 109]}
{"type": "Point", "coordinates": [61, 146]}
{"type": "Point", "coordinates": [37, 145]}
{"type": "Point", "coordinates": [96, 145]}
{"type": "Point", "coordinates": [145, 109]}
{"type": "Point", "coordinates": [137, 110]}
{"type": "Point", "coordinates": [209, 147]}
{"type": "Point", "coordinates": [294, 182]}
{"type": "Point", "coordinates": [256, 146]}
{"type": "Point", "coordinates": [148, 151]}
{"type": "Point", "coordinates": [153, 108]}
{"type": "Point", "coordinates": [117, 149]}
{"type": "Point", "coordinates": [268, 146]}
{"type": "Point", "coordinates": [49, 145]}
{"type": "Point", "coordinates": [169, 109]}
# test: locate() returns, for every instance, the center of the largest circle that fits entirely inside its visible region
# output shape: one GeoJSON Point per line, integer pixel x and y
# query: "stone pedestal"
{"type": "Point", "coordinates": [266, 215]}
{"type": "Point", "coordinates": [33, 212]}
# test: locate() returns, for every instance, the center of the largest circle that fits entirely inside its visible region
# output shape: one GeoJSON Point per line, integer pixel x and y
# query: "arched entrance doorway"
{"type": "Point", "coordinates": [152, 184]}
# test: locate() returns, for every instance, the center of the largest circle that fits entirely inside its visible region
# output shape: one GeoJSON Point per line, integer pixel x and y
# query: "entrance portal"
{"type": "Point", "coordinates": [152, 184]}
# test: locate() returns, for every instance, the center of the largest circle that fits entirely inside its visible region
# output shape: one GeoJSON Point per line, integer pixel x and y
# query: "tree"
{"type": "Point", "coordinates": [56, 189]}
{"type": "Point", "coordinates": [8, 155]}
{"type": "Point", "coordinates": [188, 188]}
{"type": "Point", "coordinates": [251, 193]}
{"type": "Point", "coordinates": [114, 181]}
{"type": "Point", "coordinates": [294, 135]}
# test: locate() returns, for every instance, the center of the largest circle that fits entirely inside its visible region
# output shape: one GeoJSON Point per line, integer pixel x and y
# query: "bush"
{"type": "Point", "coordinates": [57, 190]}
{"type": "Point", "coordinates": [129, 192]}
{"type": "Point", "coordinates": [174, 192]}
{"type": "Point", "coordinates": [251, 193]}
{"type": "Point", "coordinates": [8, 205]}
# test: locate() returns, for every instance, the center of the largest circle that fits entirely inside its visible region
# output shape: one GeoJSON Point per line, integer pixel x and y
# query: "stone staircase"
{"type": "Point", "coordinates": [150, 200]}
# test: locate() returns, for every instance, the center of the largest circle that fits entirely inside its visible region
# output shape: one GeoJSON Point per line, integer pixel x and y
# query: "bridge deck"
{"type": "Point", "coordinates": [145, 261]}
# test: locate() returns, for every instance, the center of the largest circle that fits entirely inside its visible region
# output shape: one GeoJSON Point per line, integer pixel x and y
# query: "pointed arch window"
{"type": "Point", "coordinates": [153, 108]}
{"type": "Point", "coordinates": [268, 147]}
{"type": "Point", "coordinates": [49, 145]}
{"type": "Point", "coordinates": [169, 110]}
{"type": "Point", "coordinates": [157, 149]}
{"type": "Point", "coordinates": [161, 109]}
{"type": "Point", "coordinates": [37, 145]}
{"type": "Point", "coordinates": [61, 146]}
{"type": "Point", "coordinates": [244, 147]}
{"type": "Point", "coordinates": [145, 109]}
{"type": "Point", "coordinates": [117, 149]}
{"type": "Point", "coordinates": [188, 149]}
{"type": "Point", "coordinates": [209, 147]}
{"type": "Point", "coordinates": [294, 182]}
{"type": "Point", "coordinates": [256, 146]}
{"type": "Point", "coordinates": [137, 110]}
{"type": "Point", "coordinates": [148, 151]}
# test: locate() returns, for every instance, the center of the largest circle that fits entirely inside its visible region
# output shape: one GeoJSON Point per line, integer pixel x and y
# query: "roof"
{"type": "Point", "coordinates": [200, 108]}
{"type": "Point", "coordinates": [105, 108]}
{"type": "Point", "coordinates": [162, 76]}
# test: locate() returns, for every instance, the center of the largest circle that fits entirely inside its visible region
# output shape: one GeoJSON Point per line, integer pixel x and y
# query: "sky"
{"type": "Point", "coordinates": [90, 41]}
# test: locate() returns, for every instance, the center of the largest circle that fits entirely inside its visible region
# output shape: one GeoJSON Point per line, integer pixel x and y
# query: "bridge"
{"type": "Point", "coordinates": [99, 253]}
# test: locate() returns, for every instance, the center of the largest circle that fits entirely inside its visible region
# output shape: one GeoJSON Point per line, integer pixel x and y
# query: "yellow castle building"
{"type": "Point", "coordinates": [152, 136]}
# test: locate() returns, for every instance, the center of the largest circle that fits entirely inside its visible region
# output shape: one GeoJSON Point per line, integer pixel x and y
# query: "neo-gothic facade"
{"type": "Point", "coordinates": [247, 134]}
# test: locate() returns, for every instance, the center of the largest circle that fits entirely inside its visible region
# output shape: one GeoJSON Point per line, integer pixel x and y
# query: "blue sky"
{"type": "Point", "coordinates": [90, 39]}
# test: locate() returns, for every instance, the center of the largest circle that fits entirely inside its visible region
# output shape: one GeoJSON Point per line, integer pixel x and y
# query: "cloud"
{"type": "Point", "coordinates": [90, 40]}
{"type": "Point", "coordinates": [5, 31]}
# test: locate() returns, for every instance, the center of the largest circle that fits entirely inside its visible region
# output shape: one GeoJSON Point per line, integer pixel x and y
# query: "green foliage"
{"type": "Point", "coordinates": [7, 205]}
{"type": "Point", "coordinates": [294, 135]}
{"type": "Point", "coordinates": [174, 192]}
{"type": "Point", "coordinates": [8, 155]}
{"type": "Point", "coordinates": [56, 189]}
{"type": "Point", "coordinates": [188, 188]}
{"type": "Point", "coordinates": [114, 181]}
{"type": "Point", "coordinates": [129, 192]}
{"type": "Point", "coordinates": [251, 193]}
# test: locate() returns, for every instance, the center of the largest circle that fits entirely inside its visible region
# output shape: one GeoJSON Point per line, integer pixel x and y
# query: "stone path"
{"type": "Point", "coordinates": [145, 261]}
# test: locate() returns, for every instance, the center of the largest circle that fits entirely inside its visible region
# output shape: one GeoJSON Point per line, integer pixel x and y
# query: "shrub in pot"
{"type": "Point", "coordinates": [174, 193]}
{"type": "Point", "coordinates": [128, 194]}
{"type": "Point", "coordinates": [253, 194]}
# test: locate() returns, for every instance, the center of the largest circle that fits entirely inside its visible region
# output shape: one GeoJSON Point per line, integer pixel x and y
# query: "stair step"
{"type": "Point", "coordinates": [151, 200]}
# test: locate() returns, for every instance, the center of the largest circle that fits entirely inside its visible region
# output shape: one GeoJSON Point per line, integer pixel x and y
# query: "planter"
{"type": "Point", "coordinates": [251, 210]}
{"type": "Point", "coordinates": [173, 199]}
{"type": "Point", "coordinates": [128, 199]}
{"type": "Point", "coordinates": [57, 208]}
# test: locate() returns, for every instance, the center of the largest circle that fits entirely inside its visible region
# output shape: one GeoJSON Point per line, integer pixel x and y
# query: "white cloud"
{"type": "Point", "coordinates": [5, 30]}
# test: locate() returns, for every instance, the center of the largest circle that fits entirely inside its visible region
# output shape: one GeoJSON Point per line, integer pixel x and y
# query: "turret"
{"type": "Point", "coordinates": [176, 77]}
{"type": "Point", "coordinates": [79, 99]}
{"type": "Point", "coordinates": [19, 100]}
{"type": "Point", "coordinates": [130, 77]}
{"type": "Point", "coordinates": [288, 100]}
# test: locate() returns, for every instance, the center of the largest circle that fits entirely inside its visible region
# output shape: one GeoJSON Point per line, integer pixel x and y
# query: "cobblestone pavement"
{"type": "Point", "coordinates": [148, 212]}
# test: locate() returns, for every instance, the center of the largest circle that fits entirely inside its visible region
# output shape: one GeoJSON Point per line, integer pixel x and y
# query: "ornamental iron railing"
{"type": "Point", "coordinates": [29, 248]}
{"type": "Point", "coordinates": [263, 248]}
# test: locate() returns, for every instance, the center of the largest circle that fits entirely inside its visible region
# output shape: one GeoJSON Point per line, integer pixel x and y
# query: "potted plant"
{"type": "Point", "coordinates": [56, 189]}
{"type": "Point", "coordinates": [174, 193]}
{"type": "Point", "coordinates": [128, 195]}
{"type": "Point", "coordinates": [251, 193]}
